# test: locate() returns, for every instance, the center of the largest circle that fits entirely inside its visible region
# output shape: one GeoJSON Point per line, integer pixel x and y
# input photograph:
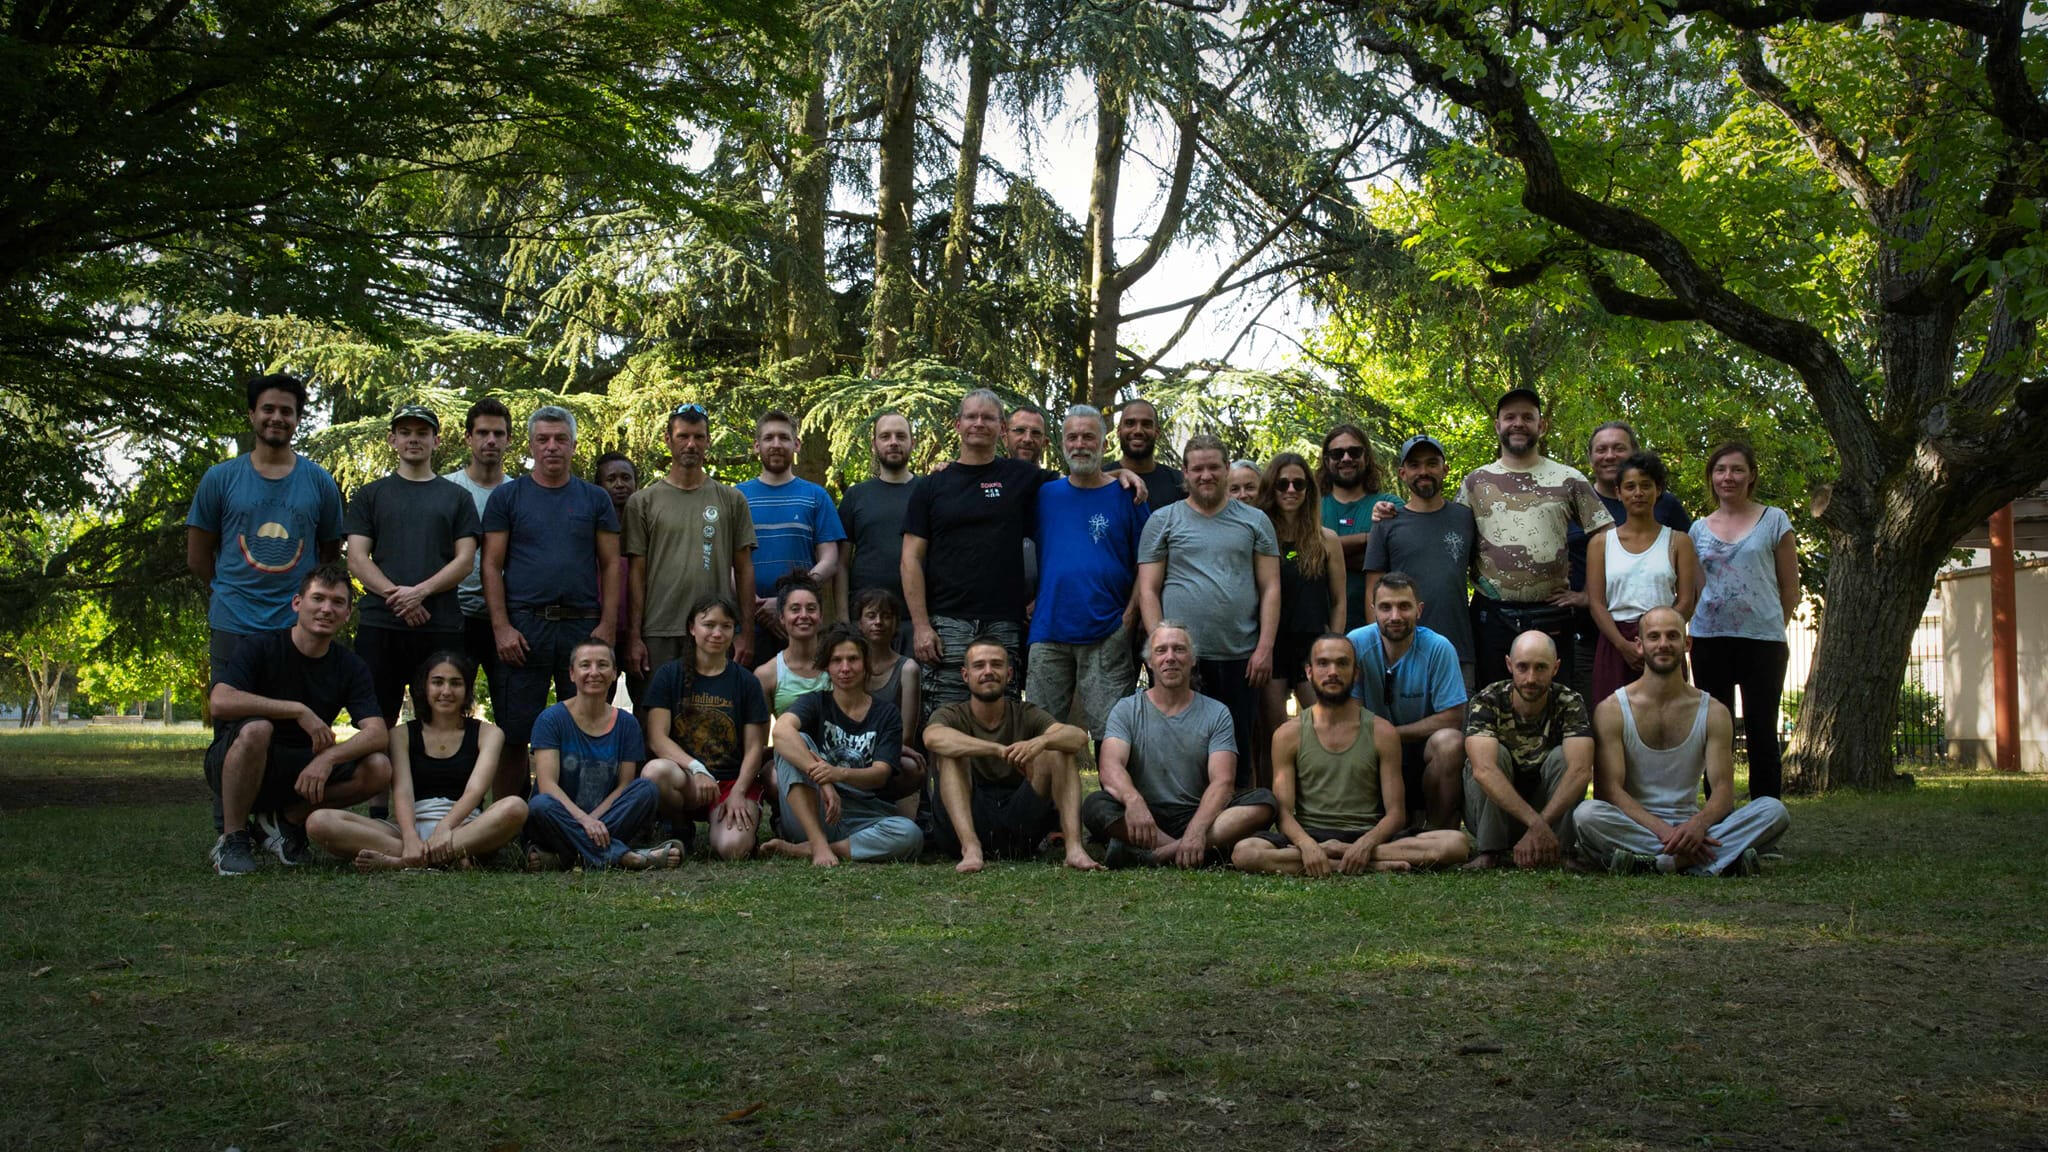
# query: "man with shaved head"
{"type": "Point", "coordinates": [1528, 759]}
{"type": "Point", "coordinates": [1657, 737]}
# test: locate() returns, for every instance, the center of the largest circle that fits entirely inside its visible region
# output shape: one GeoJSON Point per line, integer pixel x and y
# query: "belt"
{"type": "Point", "coordinates": [562, 612]}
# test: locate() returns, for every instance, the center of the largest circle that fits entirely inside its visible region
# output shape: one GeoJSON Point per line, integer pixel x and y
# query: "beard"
{"type": "Point", "coordinates": [985, 693]}
{"type": "Point", "coordinates": [1332, 699]}
{"type": "Point", "coordinates": [1136, 447]}
{"type": "Point", "coordinates": [1426, 487]}
{"type": "Point", "coordinates": [1663, 662]}
{"type": "Point", "coordinates": [1084, 464]}
{"type": "Point", "coordinates": [1518, 443]}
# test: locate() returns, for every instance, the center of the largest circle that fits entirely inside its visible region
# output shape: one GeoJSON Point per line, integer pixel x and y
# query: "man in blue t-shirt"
{"type": "Point", "coordinates": [1410, 675]}
{"type": "Point", "coordinates": [795, 526]}
{"type": "Point", "coordinates": [550, 540]}
{"type": "Point", "coordinates": [1087, 533]}
{"type": "Point", "coordinates": [260, 522]}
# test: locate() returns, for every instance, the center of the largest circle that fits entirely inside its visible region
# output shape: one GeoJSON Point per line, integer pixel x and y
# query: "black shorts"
{"type": "Point", "coordinates": [279, 789]}
{"type": "Point", "coordinates": [1100, 810]}
{"type": "Point", "coordinates": [1279, 839]}
{"type": "Point", "coordinates": [1010, 821]}
{"type": "Point", "coordinates": [1290, 656]}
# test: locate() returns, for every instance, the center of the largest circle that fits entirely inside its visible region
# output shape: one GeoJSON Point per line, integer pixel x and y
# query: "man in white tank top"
{"type": "Point", "coordinates": [1655, 738]}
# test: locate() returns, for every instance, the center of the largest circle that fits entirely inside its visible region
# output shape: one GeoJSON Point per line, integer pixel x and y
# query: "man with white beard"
{"type": "Point", "coordinates": [1087, 535]}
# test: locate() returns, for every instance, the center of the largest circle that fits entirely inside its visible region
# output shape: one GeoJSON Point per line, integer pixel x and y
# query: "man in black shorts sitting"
{"type": "Point", "coordinates": [1007, 774]}
{"type": "Point", "coordinates": [274, 754]}
{"type": "Point", "coordinates": [1337, 776]}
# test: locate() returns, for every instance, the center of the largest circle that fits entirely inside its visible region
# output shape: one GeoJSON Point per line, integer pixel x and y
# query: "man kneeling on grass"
{"type": "Point", "coordinates": [1007, 774]}
{"type": "Point", "coordinates": [1169, 769]}
{"type": "Point", "coordinates": [1337, 777]}
{"type": "Point", "coordinates": [836, 752]}
{"type": "Point", "coordinates": [588, 797]}
{"type": "Point", "coordinates": [274, 754]}
{"type": "Point", "coordinates": [442, 763]}
{"type": "Point", "coordinates": [1656, 738]}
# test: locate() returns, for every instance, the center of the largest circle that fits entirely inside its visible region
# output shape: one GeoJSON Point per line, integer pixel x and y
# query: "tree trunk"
{"type": "Point", "coordinates": [896, 193]}
{"type": "Point", "coordinates": [1105, 296]}
{"type": "Point", "coordinates": [167, 707]}
{"type": "Point", "coordinates": [809, 327]}
{"type": "Point", "coordinates": [960, 229]}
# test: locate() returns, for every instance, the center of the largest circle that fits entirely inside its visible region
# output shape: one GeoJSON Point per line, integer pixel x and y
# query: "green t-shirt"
{"type": "Point", "coordinates": [1353, 518]}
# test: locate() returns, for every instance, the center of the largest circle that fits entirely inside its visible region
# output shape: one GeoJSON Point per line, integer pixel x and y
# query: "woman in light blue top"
{"type": "Point", "coordinates": [1749, 561]}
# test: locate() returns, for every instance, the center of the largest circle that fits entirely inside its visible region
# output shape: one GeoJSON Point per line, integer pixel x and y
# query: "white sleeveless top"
{"type": "Point", "coordinates": [1640, 581]}
{"type": "Point", "coordinates": [1665, 780]}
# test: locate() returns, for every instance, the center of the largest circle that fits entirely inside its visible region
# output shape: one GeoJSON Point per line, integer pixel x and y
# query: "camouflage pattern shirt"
{"type": "Point", "coordinates": [1524, 743]}
{"type": "Point", "coordinates": [1525, 517]}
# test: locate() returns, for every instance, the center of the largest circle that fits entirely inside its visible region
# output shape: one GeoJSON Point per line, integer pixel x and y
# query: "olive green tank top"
{"type": "Point", "coordinates": [1337, 791]}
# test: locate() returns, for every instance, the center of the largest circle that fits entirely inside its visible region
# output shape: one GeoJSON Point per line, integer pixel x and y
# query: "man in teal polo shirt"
{"type": "Point", "coordinates": [1351, 482]}
{"type": "Point", "coordinates": [1409, 674]}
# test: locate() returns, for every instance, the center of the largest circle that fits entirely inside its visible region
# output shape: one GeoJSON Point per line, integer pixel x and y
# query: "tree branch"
{"type": "Point", "coordinates": [1189, 121]}
{"type": "Point", "coordinates": [1755, 17]}
{"type": "Point", "coordinates": [1827, 147]}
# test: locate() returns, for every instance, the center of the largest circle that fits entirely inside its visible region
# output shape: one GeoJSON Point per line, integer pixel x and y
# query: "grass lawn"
{"type": "Point", "coordinates": [1883, 987]}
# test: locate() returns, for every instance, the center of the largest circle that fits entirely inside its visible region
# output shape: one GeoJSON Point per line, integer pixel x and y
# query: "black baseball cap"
{"type": "Point", "coordinates": [418, 412]}
{"type": "Point", "coordinates": [1415, 441]}
{"type": "Point", "coordinates": [1528, 394]}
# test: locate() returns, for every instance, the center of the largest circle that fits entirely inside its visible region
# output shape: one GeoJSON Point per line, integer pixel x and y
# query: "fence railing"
{"type": "Point", "coordinates": [1920, 734]}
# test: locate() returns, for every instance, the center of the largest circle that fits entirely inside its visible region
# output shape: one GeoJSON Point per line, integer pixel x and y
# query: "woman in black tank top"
{"type": "Point", "coordinates": [442, 764]}
{"type": "Point", "coordinates": [1311, 580]}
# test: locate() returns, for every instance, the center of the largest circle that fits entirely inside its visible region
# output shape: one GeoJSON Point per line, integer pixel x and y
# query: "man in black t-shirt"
{"type": "Point", "coordinates": [274, 754]}
{"type": "Point", "coordinates": [1137, 437]}
{"type": "Point", "coordinates": [872, 513]}
{"type": "Point", "coordinates": [412, 538]}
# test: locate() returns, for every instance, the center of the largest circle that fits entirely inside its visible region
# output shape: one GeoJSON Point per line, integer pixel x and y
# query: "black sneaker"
{"type": "Point", "coordinates": [1623, 862]}
{"type": "Point", "coordinates": [1747, 864]}
{"type": "Point", "coordinates": [284, 839]}
{"type": "Point", "coordinates": [234, 854]}
{"type": "Point", "coordinates": [1120, 855]}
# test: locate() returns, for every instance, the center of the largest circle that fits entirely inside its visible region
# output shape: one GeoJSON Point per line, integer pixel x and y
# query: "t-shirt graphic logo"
{"type": "Point", "coordinates": [848, 749]}
{"type": "Point", "coordinates": [1454, 545]}
{"type": "Point", "coordinates": [992, 490]}
{"type": "Point", "coordinates": [1098, 528]}
{"type": "Point", "coordinates": [272, 549]}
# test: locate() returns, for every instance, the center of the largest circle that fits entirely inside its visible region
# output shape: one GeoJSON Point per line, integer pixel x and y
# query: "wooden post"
{"type": "Point", "coordinates": [2005, 645]}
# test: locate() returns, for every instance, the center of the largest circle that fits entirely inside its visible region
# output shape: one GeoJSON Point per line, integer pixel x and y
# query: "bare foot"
{"type": "Point", "coordinates": [781, 847]}
{"type": "Point", "coordinates": [1482, 862]}
{"type": "Point", "coordinates": [822, 857]}
{"type": "Point", "coordinates": [371, 860]}
{"type": "Point", "coordinates": [1390, 866]}
{"type": "Point", "coordinates": [1080, 861]}
{"type": "Point", "coordinates": [970, 861]}
{"type": "Point", "coordinates": [539, 861]}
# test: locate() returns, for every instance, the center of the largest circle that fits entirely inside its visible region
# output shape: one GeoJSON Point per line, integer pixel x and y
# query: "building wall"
{"type": "Point", "coordinates": [1966, 664]}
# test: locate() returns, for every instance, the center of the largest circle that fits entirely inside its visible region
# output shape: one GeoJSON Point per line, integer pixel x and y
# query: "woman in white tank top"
{"type": "Point", "coordinates": [1637, 566]}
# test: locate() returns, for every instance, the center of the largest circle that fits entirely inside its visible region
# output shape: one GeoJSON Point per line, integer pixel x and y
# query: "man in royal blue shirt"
{"type": "Point", "coordinates": [1087, 534]}
{"type": "Point", "coordinates": [1409, 674]}
{"type": "Point", "coordinates": [550, 542]}
{"type": "Point", "coordinates": [795, 526]}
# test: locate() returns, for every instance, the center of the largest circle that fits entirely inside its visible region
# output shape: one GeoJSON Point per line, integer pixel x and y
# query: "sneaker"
{"type": "Point", "coordinates": [284, 839]}
{"type": "Point", "coordinates": [1120, 855]}
{"type": "Point", "coordinates": [234, 854]}
{"type": "Point", "coordinates": [1747, 864]}
{"type": "Point", "coordinates": [1626, 863]}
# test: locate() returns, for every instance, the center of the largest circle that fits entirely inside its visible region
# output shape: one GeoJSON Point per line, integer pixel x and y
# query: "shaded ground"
{"type": "Point", "coordinates": [1880, 989]}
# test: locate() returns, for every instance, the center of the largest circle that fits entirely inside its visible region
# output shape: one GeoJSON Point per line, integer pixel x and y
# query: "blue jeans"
{"type": "Point", "coordinates": [872, 828]}
{"type": "Point", "coordinates": [550, 827]}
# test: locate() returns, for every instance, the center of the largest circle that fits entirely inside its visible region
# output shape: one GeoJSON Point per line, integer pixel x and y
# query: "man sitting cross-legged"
{"type": "Point", "coordinates": [1528, 759]}
{"type": "Point", "coordinates": [1007, 775]}
{"type": "Point", "coordinates": [1169, 768]}
{"type": "Point", "coordinates": [1656, 737]}
{"type": "Point", "coordinates": [274, 755]}
{"type": "Point", "coordinates": [1337, 778]}
{"type": "Point", "coordinates": [835, 754]}
{"type": "Point", "coordinates": [588, 797]}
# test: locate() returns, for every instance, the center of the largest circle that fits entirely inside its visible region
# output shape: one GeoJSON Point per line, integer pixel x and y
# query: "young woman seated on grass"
{"type": "Point", "coordinates": [707, 733]}
{"type": "Point", "coordinates": [894, 677]}
{"type": "Point", "coordinates": [442, 763]}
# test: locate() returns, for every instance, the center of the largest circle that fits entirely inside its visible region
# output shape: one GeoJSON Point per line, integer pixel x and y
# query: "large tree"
{"type": "Point", "coordinates": [1851, 190]}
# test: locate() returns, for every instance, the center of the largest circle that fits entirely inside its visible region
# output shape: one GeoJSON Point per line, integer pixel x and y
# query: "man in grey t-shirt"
{"type": "Point", "coordinates": [1168, 763]}
{"type": "Point", "coordinates": [487, 430]}
{"type": "Point", "coordinates": [1434, 541]}
{"type": "Point", "coordinates": [1214, 562]}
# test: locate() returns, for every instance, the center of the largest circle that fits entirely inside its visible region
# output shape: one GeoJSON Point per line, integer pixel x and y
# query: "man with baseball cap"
{"type": "Point", "coordinates": [1524, 504]}
{"type": "Point", "coordinates": [1434, 541]}
{"type": "Point", "coordinates": [412, 538]}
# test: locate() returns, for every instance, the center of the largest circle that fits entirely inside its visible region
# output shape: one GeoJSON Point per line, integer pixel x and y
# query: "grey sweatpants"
{"type": "Point", "coordinates": [1494, 829]}
{"type": "Point", "coordinates": [1757, 824]}
{"type": "Point", "coordinates": [872, 828]}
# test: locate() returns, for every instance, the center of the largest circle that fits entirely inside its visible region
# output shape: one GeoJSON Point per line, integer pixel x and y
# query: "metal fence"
{"type": "Point", "coordinates": [1920, 734]}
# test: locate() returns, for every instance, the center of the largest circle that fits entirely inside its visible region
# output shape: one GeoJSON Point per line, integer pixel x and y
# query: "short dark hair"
{"type": "Point", "coordinates": [256, 386]}
{"type": "Point", "coordinates": [986, 640]}
{"type": "Point", "coordinates": [791, 582]}
{"type": "Point", "coordinates": [868, 598]}
{"type": "Point", "coordinates": [488, 406]}
{"type": "Point", "coordinates": [1030, 409]}
{"type": "Point", "coordinates": [1398, 581]}
{"type": "Point", "coordinates": [1621, 426]}
{"type": "Point", "coordinates": [841, 633]}
{"type": "Point", "coordinates": [775, 416]}
{"type": "Point", "coordinates": [464, 667]}
{"type": "Point", "coordinates": [1649, 465]}
{"type": "Point", "coordinates": [334, 575]}
{"type": "Point", "coordinates": [597, 469]}
{"type": "Point", "coordinates": [591, 641]}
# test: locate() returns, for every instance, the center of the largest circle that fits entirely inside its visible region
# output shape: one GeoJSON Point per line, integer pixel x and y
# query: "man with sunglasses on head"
{"type": "Point", "coordinates": [688, 538]}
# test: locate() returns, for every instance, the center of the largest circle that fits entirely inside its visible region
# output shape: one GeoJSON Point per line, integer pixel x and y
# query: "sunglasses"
{"type": "Point", "coordinates": [692, 410]}
{"type": "Point", "coordinates": [1348, 453]}
{"type": "Point", "coordinates": [1291, 484]}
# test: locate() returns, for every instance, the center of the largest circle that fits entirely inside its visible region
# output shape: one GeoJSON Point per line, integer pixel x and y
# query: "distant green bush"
{"type": "Point", "coordinates": [1919, 733]}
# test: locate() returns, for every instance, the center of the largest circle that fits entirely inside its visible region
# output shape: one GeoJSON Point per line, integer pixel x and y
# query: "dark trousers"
{"type": "Point", "coordinates": [1496, 623]}
{"type": "Point", "coordinates": [1223, 681]}
{"type": "Point", "coordinates": [482, 647]}
{"type": "Point", "coordinates": [1720, 665]}
{"type": "Point", "coordinates": [394, 656]}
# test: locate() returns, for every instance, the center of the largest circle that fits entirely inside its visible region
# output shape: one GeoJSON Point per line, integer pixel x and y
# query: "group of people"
{"type": "Point", "coordinates": [925, 664]}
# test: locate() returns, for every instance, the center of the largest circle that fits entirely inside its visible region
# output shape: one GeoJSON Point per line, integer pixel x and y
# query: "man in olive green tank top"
{"type": "Point", "coordinates": [1337, 775]}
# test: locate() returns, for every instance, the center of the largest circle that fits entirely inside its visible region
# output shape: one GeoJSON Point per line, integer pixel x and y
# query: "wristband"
{"type": "Point", "coordinates": [697, 767]}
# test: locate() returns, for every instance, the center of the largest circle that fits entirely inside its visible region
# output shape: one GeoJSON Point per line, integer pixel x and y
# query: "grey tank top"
{"type": "Point", "coordinates": [1337, 791]}
{"type": "Point", "coordinates": [789, 685]}
{"type": "Point", "coordinates": [891, 687]}
{"type": "Point", "coordinates": [1666, 780]}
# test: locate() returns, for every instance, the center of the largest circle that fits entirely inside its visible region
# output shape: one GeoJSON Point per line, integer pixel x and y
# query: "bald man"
{"type": "Point", "coordinates": [1528, 759]}
{"type": "Point", "coordinates": [1658, 736]}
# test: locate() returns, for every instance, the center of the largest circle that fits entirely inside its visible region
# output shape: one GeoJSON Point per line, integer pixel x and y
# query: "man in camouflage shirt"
{"type": "Point", "coordinates": [1528, 760]}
